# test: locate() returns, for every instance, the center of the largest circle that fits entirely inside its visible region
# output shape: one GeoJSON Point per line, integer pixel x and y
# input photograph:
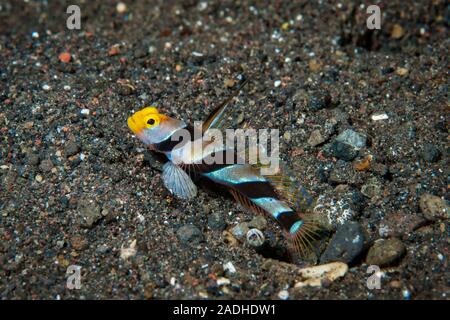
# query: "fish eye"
{"type": "Point", "coordinates": [152, 121]}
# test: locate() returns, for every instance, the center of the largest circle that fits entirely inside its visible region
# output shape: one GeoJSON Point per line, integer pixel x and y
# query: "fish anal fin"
{"type": "Point", "coordinates": [245, 202]}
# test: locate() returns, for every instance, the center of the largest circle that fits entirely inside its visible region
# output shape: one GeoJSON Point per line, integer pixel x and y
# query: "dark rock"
{"type": "Point", "coordinates": [385, 252]}
{"type": "Point", "coordinates": [89, 211]}
{"type": "Point", "coordinates": [346, 244]}
{"type": "Point", "coordinates": [140, 53]}
{"type": "Point", "coordinates": [388, 70]}
{"type": "Point", "coordinates": [216, 221]}
{"type": "Point", "coordinates": [352, 138]}
{"type": "Point", "coordinates": [71, 148]}
{"type": "Point", "coordinates": [319, 101]}
{"type": "Point", "coordinates": [189, 234]}
{"type": "Point", "coordinates": [430, 153]}
{"type": "Point", "coordinates": [46, 165]}
{"type": "Point", "coordinates": [33, 159]}
{"type": "Point", "coordinates": [341, 151]}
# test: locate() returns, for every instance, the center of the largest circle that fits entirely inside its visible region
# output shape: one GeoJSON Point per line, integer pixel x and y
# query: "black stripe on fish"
{"type": "Point", "coordinates": [168, 144]}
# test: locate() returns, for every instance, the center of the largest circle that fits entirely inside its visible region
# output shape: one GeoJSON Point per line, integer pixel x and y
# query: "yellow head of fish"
{"type": "Point", "coordinates": [152, 127]}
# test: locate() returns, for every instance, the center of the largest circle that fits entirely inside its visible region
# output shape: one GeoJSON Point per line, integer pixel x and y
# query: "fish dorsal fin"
{"type": "Point", "coordinates": [218, 116]}
{"type": "Point", "coordinates": [178, 182]}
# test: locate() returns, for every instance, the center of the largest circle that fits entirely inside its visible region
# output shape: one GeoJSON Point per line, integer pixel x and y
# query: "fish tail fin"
{"type": "Point", "coordinates": [301, 235]}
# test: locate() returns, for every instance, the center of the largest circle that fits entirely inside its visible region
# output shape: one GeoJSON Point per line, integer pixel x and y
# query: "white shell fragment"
{"type": "Point", "coordinates": [380, 116]}
{"type": "Point", "coordinates": [126, 253]}
{"type": "Point", "coordinates": [255, 237]}
{"type": "Point", "coordinates": [229, 267]}
{"type": "Point", "coordinates": [283, 294]}
{"type": "Point", "coordinates": [221, 281]}
{"type": "Point", "coordinates": [313, 276]}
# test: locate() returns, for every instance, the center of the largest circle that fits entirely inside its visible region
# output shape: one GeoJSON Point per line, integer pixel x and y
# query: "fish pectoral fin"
{"type": "Point", "coordinates": [178, 182]}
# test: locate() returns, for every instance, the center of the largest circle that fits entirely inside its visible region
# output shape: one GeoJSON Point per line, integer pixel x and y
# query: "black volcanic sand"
{"type": "Point", "coordinates": [77, 187]}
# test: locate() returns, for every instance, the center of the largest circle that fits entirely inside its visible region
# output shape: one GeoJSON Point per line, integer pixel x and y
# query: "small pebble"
{"type": "Point", "coordinates": [283, 294]}
{"type": "Point", "coordinates": [46, 165]}
{"type": "Point", "coordinates": [380, 116]}
{"type": "Point", "coordinates": [397, 31]}
{"type": "Point", "coordinates": [385, 252]}
{"type": "Point", "coordinates": [240, 230]}
{"type": "Point", "coordinates": [126, 253]}
{"type": "Point", "coordinates": [64, 57]}
{"type": "Point", "coordinates": [121, 7]}
{"type": "Point", "coordinates": [71, 148]}
{"type": "Point", "coordinates": [406, 294]}
{"type": "Point", "coordinates": [287, 136]}
{"type": "Point", "coordinates": [316, 138]}
{"type": "Point", "coordinates": [363, 164]}
{"type": "Point", "coordinates": [39, 178]}
{"type": "Point", "coordinates": [314, 65]}
{"type": "Point", "coordinates": [89, 212]}
{"type": "Point", "coordinates": [114, 50]}
{"type": "Point", "coordinates": [277, 83]}
{"type": "Point", "coordinates": [229, 83]}
{"type": "Point", "coordinates": [229, 267]}
{"type": "Point", "coordinates": [402, 72]}
{"type": "Point", "coordinates": [340, 150]}
{"type": "Point", "coordinates": [352, 138]}
{"type": "Point", "coordinates": [189, 234]}
{"type": "Point", "coordinates": [434, 207]}
{"type": "Point", "coordinates": [223, 281]}
{"type": "Point", "coordinates": [46, 87]}
{"type": "Point", "coordinates": [216, 221]}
